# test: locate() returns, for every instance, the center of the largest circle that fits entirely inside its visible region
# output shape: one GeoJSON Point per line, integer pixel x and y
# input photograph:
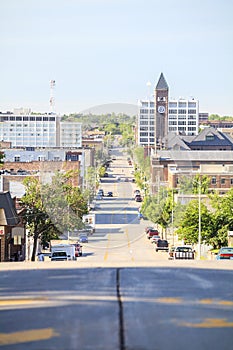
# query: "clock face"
{"type": "Point", "coordinates": [161, 109]}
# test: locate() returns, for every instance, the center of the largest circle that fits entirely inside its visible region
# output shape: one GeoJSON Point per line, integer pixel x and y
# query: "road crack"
{"type": "Point", "coordinates": [121, 312]}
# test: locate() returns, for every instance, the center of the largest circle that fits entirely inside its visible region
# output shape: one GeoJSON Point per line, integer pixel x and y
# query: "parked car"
{"type": "Point", "coordinates": [184, 252]}
{"type": "Point", "coordinates": [155, 238]}
{"type": "Point", "coordinates": [147, 228]}
{"type": "Point", "coordinates": [101, 192]}
{"type": "Point", "coordinates": [161, 244]}
{"type": "Point", "coordinates": [225, 253]}
{"type": "Point", "coordinates": [152, 232]}
{"type": "Point", "coordinates": [138, 198]}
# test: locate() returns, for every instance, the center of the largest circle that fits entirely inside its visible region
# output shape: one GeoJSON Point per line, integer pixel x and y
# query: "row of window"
{"type": "Point", "coordinates": [145, 122]}
{"type": "Point", "coordinates": [147, 111]}
{"type": "Point", "coordinates": [182, 111]}
{"type": "Point", "coordinates": [214, 181]}
{"type": "Point", "coordinates": [146, 104]}
{"type": "Point", "coordinates": [30, 126]}
{"type": "Point", "coordinates": [146, 134]}
{"type": "Point", "coordinates": [181, 128]}
{"type": "Point", "coordinates": [183, 104]}
{"type": "Point", "coordinates": [193, 117]}
{"type": "Point", "coordinates": [145, 141]}
{"type": "Point", "coordinates": [181, 122]}
{"type": "Point", "coordinates": [23, 118]}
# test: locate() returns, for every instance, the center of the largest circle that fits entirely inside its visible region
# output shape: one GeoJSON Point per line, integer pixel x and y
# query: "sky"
{"type": "Point", "coordinates": [106, 51]}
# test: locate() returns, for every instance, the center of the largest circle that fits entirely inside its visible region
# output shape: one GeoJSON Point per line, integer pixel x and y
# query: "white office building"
{"type": "Point", "coordinates": [183, 116]}
{"type": "Point", "coordinates": [31, 130]}
{"type": "Point", "coordinates": [70, 134]}
{"type": "Point", "coordinates": [146, 123]}
{"type": "Point", "coordinates": [39, 130]}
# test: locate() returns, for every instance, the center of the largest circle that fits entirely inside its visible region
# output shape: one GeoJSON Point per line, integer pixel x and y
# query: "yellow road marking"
{"type": "Point", "coordinates": [106, 254]}
{"type": "Point", "coordinates": [27, 336]}
{"type": "Point", "coordinates": [127, 235]}
{"type": "Point", "coordinates": [209, 323]}
{"type": "Point", "coordinates": [169, 300]}
{"type": "Point", "coordinates": [21, 301]}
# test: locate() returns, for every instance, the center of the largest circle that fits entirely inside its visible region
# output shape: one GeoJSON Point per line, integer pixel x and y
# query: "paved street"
{"type": "Point", "coordinates": [120, 294]}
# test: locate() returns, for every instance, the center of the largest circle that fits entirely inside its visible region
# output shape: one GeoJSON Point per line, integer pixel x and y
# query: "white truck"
{"type": "Point", "coordinates": [89, 221]}
{"type": "Point", "coordinates": [62, 252]}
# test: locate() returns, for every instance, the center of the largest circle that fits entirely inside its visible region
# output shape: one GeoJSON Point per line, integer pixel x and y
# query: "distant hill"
{"type": "Point", "coordinates": [117, 108]}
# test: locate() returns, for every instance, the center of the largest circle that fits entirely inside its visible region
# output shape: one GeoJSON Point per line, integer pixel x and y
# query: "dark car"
{"type": "Point", "coordinates": [147, 228]}
{"type": "Point", "coordinates": [225, 253]}
{"type": "Point", "coordinates": [138, 198]}
{"type": "Point", "coordinates": [110, 194]}
{"type": "Point", "coordinates": [161, 244]}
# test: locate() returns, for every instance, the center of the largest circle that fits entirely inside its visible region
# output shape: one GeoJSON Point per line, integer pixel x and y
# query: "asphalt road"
{"type": "Point", "coordinates": [120, 295]}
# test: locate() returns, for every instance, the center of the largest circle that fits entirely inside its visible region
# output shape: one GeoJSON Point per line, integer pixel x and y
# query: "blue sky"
{"type": "Point", "coordinates": [105, 51]}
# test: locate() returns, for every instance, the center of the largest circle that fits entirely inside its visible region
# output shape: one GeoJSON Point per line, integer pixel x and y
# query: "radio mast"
{"type": "Point", "coordinates": [52, 100]}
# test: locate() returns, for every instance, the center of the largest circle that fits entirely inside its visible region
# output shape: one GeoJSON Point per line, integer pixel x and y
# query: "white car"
{"type": "Point", "coordinates": [155, 238]}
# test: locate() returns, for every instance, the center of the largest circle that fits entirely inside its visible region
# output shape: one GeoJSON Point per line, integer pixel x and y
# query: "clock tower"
{"type": "Point", "coordinates": [161, 113]}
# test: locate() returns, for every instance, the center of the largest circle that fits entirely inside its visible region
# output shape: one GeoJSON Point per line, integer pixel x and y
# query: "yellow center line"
{"type": "Point", "coordinates": [209, 323]}
{"type": "Point", "coordinates": [27, 336]}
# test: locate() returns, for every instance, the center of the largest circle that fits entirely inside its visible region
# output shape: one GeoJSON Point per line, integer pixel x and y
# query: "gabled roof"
{"type": "Point", "coordinates": [162, 84]}
{"type": "Point", "coordinates": [7, 204]}
{"type": "Point", "coordinates": [175, 142]}
{"type": "Point", "coordinates": [189, 156]}
{"type": "Point", "coordinates": [210, 136]}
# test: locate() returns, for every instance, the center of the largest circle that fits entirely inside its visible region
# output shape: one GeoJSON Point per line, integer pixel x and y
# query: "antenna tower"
{"type": "Point", "coordinates": [52, 100]}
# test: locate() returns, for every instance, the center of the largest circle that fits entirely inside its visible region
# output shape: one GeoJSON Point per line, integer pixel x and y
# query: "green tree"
{"type": "Point", "coordinates": [34, 215]}
{"type": "Point", "coordinates": [52, 209]}
{"type": "Point", "coordinates": [203, 181]}
{"type": "Point", "coordinates": [189, 225]}
{"type": "Point", "coordinates": [223, 218]}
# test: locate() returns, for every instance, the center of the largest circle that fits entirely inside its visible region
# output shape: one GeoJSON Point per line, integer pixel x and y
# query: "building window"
{"type": "Point", "coordinates": [213, 181]}
{"type": "Point", "coordinates": [173, 104]}
{"type": "Point", "coordinates": [231, 181]}
{"type": "Point", "coordinates": [17, 158]}
{"type": "Point", "coordinates": [182, 104]}
{"type": "Point", "coordinates": [223, 180]}
{"type": "Point", "coordinates": [182, 111]}
{"type": "Point", "coordinates": [192, 104]}
{"type": "Point", "coordinates": [209, 137]}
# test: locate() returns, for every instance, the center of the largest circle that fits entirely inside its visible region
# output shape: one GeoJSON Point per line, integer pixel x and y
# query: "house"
{"type": "Point", "coordinates": [12, 232]}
